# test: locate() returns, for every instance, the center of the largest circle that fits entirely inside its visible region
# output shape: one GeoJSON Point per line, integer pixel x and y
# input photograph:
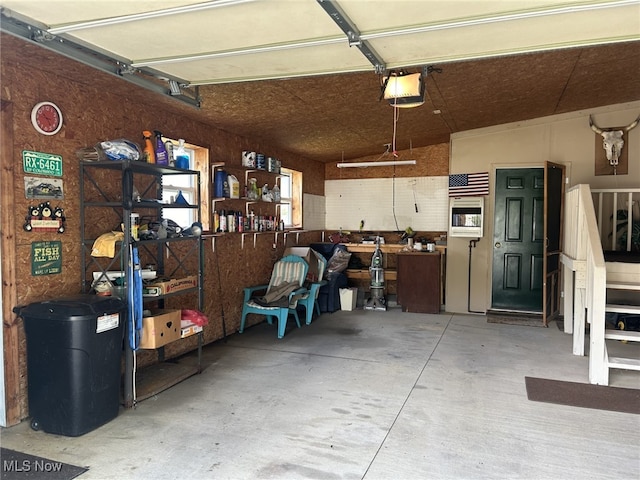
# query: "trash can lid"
{"type": "Point", "coordinates": [73, 307]}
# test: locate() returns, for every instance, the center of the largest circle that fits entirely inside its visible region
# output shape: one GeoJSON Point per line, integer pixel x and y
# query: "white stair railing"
{"type": "Point", "coordinates": [616, 210]}
{"type": "Point", "coordinates": [587, 234]}
{"type": "Point", "coordinates": [585, 281]}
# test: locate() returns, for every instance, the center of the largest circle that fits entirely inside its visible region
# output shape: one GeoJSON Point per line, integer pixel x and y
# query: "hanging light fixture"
{"type": "Point", "coordinates": [385, 163]}
{"type": "Point", "coordinates": [404, 90]}
{"type": "Point", "coordinates": [379, 162]}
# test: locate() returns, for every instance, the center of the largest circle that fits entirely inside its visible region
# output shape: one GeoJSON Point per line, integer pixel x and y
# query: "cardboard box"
{"type": "Point", "coordinates": [161, 328]}
{"type": "Point", "coordinates": [187, 329]}
{"type": "Point", "coordinates": [310, 256]}
{"type": "Point", "coordinates": [348, 298]}
{"type": "Point", "coordinates": [176, 285]}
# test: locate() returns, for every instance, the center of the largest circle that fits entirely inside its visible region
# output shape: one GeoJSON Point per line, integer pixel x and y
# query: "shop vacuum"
{"type": "Point", "coordinates": [377, 300]}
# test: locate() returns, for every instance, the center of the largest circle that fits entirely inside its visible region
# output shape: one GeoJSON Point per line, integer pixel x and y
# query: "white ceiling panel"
{"type": "Point", "coordinates": [54, 13]}
{"type": "Point", "coordinates": [520, 36]}
{"type": "Point", "coordinates": [380, 15]}
{"type": "Point", "coordinates": [241, 40]}
{"type": "Point", "coordinates": [308, 62]}
{"type": "Point", "coordinates": [231, 28]}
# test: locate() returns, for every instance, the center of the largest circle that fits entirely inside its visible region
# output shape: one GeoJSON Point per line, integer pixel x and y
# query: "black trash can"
{"type": "Point", "coordinates": [74, 347]}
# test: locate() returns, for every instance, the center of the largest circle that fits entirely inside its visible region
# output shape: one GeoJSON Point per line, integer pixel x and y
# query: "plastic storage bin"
{"type": "Point", "coordinates": [74, 347]}
{"type": "Point", "coordinates": [348, 298]}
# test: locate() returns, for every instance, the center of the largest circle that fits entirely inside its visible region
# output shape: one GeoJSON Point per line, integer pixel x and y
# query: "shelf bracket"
{"type": "Point", "coordinates": [255, 236]}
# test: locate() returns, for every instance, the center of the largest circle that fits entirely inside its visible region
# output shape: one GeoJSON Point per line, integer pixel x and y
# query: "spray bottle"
{"type": "Point", "coordinates": [148, 151]}
{"type": "Point", "coordinates": [162, 158]}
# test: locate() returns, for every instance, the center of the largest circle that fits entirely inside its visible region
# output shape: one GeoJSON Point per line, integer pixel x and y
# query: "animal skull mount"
{"type": "Point", "coordinates": [613, 140]}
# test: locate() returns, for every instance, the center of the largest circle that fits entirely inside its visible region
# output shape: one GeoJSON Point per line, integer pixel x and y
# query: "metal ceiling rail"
{"type": "Point", "coordinates": [353, 35]}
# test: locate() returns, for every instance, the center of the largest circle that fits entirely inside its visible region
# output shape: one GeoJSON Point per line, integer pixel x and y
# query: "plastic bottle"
{"type": "Point", "coordinates": [162, 158]}
{"type": "Point", "coordinates": [231, 221]}
{"type": "Point", "coordinates": [148, 152]}
{"type": "Point", "coordinates": [252, 194]}
{"type": "Point", "coordinates": [169, 148]}
{"type": "Point", "coordinates": [220, 179]}
{"type": "Point", "coordinates": [239, 222]}
{"type": "Point", "coordinates": [182, 158]}
{"type": "Point", "coordinates": [225, 187]}
{"type": "Point", "coordinates": [234, 186]}
{"type": "Point", "coordinates": [223, 221]}
{"type": "Point", "coordinates": [276, 193]}
{"type": "Point", "coordinates": [216, 221]}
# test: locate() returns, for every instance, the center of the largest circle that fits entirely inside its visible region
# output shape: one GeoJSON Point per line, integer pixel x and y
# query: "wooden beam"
{"type": "Point", "coordinates": [10, 325]}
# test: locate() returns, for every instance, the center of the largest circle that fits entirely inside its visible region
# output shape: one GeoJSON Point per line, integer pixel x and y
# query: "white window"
{"type": "Point", "coordinates": [291, 198]}
{"type": "Point", "coordinates": [174, 185]}
{"type": "Point", "coordinates": [285, 197]}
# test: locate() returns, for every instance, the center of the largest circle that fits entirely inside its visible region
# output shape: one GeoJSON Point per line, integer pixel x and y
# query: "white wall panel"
{"type": "Point", "coordinates": [313, 212]}
{"type": "Point", "coordinates": [388, 203]}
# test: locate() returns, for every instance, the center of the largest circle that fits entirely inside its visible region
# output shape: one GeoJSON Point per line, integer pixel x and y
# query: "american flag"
{"type": "Point", "coordinates": [468, 184]}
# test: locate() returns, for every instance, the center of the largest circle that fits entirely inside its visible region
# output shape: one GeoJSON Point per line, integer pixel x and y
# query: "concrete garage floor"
{"type": "Point", "coordinates": [363, 395]}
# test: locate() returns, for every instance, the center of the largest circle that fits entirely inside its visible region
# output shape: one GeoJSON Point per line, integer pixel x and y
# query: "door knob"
{"type": "Point", "coordinates": [498, 245]}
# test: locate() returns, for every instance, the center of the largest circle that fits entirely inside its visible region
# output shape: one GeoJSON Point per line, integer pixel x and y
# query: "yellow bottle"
{"type": "Point", "coordinates": [148, 153]}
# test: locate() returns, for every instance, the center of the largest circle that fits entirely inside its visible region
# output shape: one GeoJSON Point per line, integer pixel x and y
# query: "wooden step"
{"type": "Point", "coordinates": [629, 335]}
{"type": "Point", "coordinates": [619, 285]}
{"type": "Point", "coordinates": [611, 307]}
{"type": "Point", "coordinates": [624, 363]}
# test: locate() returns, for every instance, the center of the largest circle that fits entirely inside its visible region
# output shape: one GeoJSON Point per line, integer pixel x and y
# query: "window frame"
{"type": "Point", "coordinates": [294, 201]}
{"type": "Point", "coordinates": [199, 162]}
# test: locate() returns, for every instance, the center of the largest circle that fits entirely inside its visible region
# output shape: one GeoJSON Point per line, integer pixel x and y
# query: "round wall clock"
{"type": "Point", "coordinates": [46, 118]}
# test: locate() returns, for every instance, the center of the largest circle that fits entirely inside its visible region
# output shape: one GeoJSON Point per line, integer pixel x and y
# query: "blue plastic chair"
{"type": "Point", "coordinates": [288, 269]}
{"type": "Point", "coordinates": [309, 300]}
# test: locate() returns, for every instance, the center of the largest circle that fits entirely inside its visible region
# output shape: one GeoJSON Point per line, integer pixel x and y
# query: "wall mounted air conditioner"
{"type": "Point", "coordinates": [466, 217]}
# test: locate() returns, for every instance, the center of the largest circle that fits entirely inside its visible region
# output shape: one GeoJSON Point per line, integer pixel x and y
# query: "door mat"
{"type": "Point", "coordinates": [22, 466]}
{"type": "Point", "coordinates": [515, 318]}
{"type": "Point", "coordinates": [585, 395]}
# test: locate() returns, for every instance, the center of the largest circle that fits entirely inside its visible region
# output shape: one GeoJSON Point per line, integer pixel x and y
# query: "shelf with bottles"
{"type": "Point", "coordinates": [221, 173]}
{"type": "Point", "coordinates": [234, 221]}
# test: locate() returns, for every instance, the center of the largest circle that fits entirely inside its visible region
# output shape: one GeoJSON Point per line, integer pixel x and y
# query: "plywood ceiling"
{"type": "Point", "coordinates": [284, 71]}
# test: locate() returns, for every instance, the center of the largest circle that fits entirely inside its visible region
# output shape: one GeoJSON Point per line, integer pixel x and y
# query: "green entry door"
{"type": "Point", "coordinates": [518, 240]}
